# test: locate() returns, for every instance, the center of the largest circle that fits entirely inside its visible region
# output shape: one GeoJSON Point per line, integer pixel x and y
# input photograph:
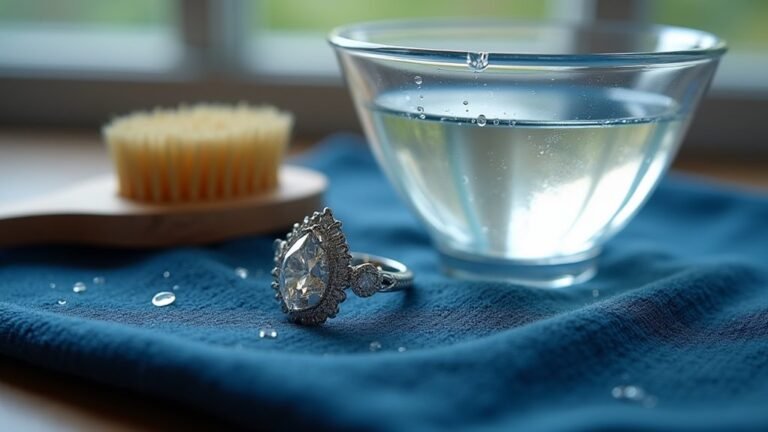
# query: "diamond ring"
{"type": "Point", "coordinates": [313, 267]}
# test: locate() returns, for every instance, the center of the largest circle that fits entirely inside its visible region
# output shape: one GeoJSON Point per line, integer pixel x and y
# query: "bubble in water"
{"type": "Point", "coordinates": [477, 61]}
{"type": "Point", "coordinates": [417, 79]}
{"type": "Point", "coordinates": [99, 280]}
{"type": "Point", "coordinates": [175, 287]}
{"type": "Point", "coordinates": [241, 272]}
{"type": "Point", "coordinates": [267, 333]}
{"type": "Point", "coordinates": [402, 349]}
{"type": "Point", "coordinates": [595, 293]}
{"type": "Point", "coordinates": [422, 116]}
{"type": "Point", "coordinates": [496, 122]}
{"type": "Point", "coordinates": [61, 302]}
{"type": "Point", "coordinates": [485, 229]}
{"type": "Point", "coordinates": [465, 179]}
{"type": "Point", "coordinates": [163, 298]}
{"type": "Point", "coordinates": [421, 96]}
{"type": "Point", "coordinates": [79, 287]}
{"type": "Point", "coordinates": [465, 103]}
{"type": "Point", "coordinates": [481, 120]}
{"type": "Point", "coordinates": [52, 285]}
{"type": "Point", "coordinates": [374, 346]}
{"type": "Point", "coordinates": [166, 274]}
{"type": "Point", "coordinates": [473, 121]}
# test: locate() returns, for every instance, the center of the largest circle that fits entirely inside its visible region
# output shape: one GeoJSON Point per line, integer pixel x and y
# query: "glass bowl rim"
{"type": "Point", "coordinates": [342, 38]}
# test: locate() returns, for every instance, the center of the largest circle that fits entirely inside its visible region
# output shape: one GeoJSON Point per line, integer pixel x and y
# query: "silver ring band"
{"type": "Point", "coordinates": [395, 275]}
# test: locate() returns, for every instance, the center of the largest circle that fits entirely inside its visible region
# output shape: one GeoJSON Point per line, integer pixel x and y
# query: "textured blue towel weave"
{"type": "Point", "coordinates": [681, 311]}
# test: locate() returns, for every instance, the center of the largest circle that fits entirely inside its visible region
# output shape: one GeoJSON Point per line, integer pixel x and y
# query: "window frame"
{"type": "Point", "coordinates": [214, 69]}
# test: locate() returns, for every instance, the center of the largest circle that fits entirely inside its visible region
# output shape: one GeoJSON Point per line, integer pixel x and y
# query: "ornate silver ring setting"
{"type": "Point", "coordinates": [313, 267]}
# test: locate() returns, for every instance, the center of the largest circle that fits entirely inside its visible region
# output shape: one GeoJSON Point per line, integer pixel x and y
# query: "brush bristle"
{"type": "Point", "coordinates": [198, 153]}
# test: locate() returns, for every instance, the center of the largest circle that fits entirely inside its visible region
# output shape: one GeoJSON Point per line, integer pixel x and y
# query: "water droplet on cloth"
{"type": "Point", "coordinates": [267, 333]}
{"type": "Point", "coordinates": [163, 298]}
{"type": "Point", "coordinates": [241, 272]}
{"type": "Point", "coordinates": [634, 394]}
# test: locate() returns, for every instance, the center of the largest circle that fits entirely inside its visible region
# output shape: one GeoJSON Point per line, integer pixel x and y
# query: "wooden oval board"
{"type": "Point", "coordinates": [93, 213]}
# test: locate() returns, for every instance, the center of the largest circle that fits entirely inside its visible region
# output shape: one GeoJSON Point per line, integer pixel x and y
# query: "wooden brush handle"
{"type": "Point", "coordinates": [92, 213]}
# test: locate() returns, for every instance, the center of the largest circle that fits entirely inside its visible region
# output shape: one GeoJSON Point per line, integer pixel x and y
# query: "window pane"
{"type": "Point", "coordinates": [742, 23]}
{"type": "Point", "coordinates": [82, 35]}
{"type": "Point", "coordinates": [291, 33]}
{"type": "Point", "coordinates": [132, 13]}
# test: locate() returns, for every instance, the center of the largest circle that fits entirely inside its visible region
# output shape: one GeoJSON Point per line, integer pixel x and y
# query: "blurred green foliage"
{"type": "Point", "coordinates": [323, 15]}
{"type": "Point", "coordinates": [743, 23]}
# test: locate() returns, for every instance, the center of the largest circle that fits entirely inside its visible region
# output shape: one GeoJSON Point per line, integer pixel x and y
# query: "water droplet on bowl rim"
{"type": "Point", "coordinates": [418, 80]}
{"type": "Point", "coordinates": [477, 61]}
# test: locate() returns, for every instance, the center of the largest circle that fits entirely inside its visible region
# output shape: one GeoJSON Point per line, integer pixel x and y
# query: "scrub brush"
{"type": "Point", "coordinates": [195, 153]}
{"type": "Point", "coordinates": [196, 174]}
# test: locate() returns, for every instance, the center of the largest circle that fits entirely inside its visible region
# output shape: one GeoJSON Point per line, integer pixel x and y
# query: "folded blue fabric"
{"type": "Point", "coordinates": [678, 312]}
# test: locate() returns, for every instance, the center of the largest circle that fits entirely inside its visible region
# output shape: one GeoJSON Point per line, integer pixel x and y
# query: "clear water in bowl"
{"type": "Point", "coordinates": [524, 174]}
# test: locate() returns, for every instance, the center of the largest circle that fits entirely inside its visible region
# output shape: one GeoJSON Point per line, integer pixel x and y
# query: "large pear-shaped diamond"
{"type": "Point", "coordinates": [304, 273]}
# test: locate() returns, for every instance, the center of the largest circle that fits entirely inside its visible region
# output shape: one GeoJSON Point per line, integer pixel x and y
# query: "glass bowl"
{"type": "Point", "coordinates": [523, 147]}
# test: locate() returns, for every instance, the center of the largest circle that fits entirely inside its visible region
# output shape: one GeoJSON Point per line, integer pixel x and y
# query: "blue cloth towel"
{"type": "Point", "coordinates": [678, 312]}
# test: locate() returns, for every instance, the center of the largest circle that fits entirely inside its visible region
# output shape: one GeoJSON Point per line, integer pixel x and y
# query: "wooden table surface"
{"type": "Point", "coordinates": [32, 399]}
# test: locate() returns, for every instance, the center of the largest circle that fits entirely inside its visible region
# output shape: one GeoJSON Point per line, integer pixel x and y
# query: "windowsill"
{"type": "Point", "coordinates": [38, 162]}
